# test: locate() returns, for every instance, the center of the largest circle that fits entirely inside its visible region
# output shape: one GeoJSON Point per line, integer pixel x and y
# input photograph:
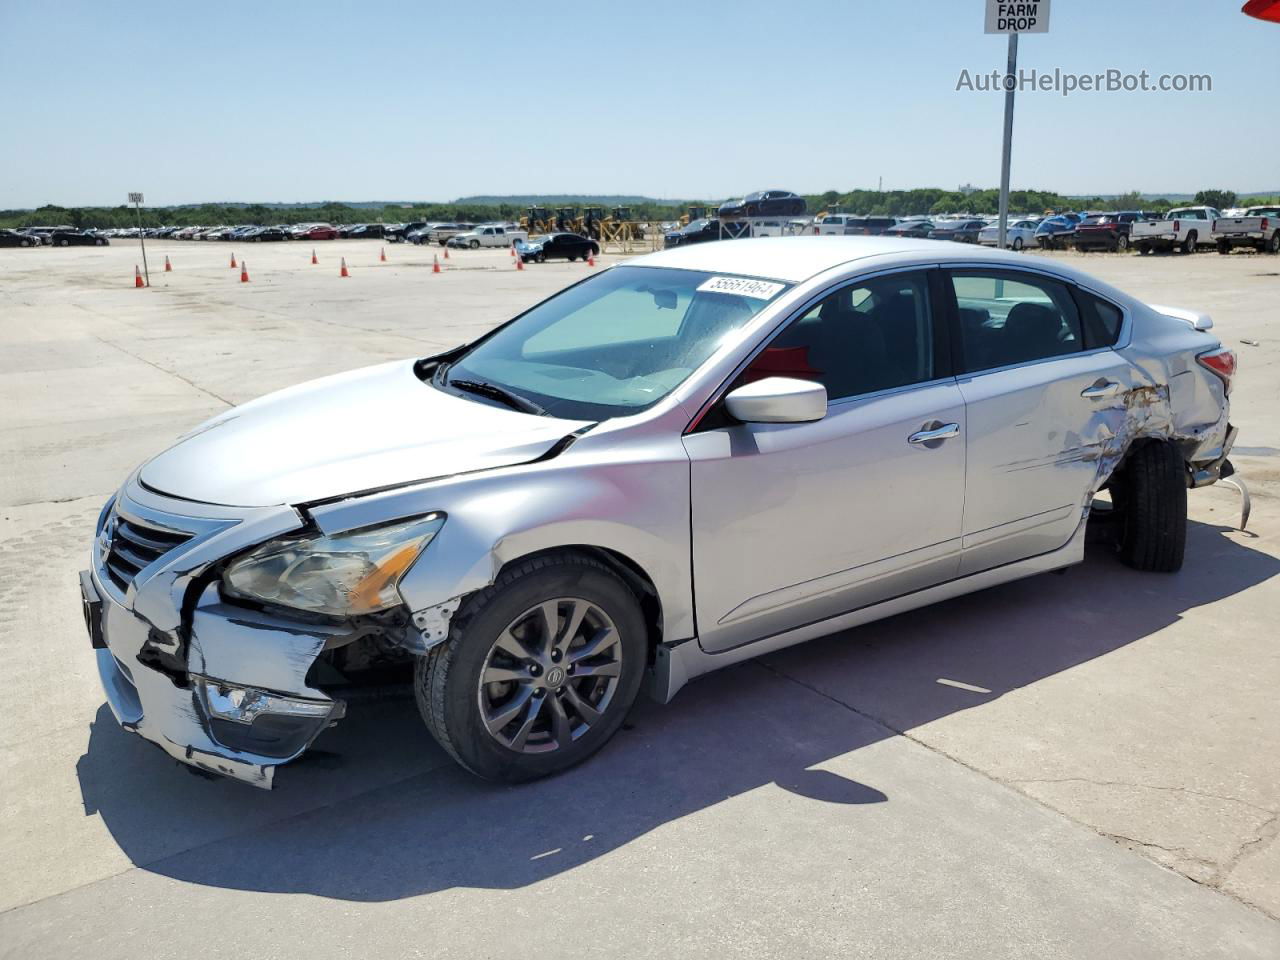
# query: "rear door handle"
{"type": "Point", "coordinates": [1102, 390]}
{"type": "Point", "coordinates": [944, 432]}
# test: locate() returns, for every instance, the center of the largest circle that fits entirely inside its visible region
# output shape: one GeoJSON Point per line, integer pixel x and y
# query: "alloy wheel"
{"type": "Point", "coordinates": [550, 675]}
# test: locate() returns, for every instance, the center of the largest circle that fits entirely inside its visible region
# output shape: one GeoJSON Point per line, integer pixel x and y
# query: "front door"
{"type": "Point", "coordinates": [796, 523]}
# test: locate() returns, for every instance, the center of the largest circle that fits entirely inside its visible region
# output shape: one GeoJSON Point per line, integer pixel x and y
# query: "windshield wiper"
{"type": "Point", "coordinates": [501, 394]}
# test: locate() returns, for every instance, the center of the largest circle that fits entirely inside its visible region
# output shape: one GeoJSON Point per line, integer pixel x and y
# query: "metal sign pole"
{"type": "Point", "coordinates": [1007, 153]}
{"type": "Point", "coordinates": [137, 206]}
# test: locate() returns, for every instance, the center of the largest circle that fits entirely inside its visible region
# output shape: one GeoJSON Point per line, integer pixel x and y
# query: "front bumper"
{"type": "Point", "coordinates": [220, 687]}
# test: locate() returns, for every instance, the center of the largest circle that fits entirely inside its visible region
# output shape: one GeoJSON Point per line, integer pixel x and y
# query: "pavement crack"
{"type": "Point", "coordinates": [1147, 786]}
{"type": "Point", "coordinates": [172, 373]}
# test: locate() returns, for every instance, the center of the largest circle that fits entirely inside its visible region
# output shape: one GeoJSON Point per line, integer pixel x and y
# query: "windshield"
{"type": "Point", "coordinates": [616, 343]}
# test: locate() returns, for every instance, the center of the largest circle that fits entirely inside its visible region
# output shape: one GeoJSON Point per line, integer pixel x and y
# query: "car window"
{"type": "Point", "coordinates": [1101, 320]}
{"type": "Point", "coordinates": [1013, 317]}
{"type": "Point", "coordinates": [866, 337]}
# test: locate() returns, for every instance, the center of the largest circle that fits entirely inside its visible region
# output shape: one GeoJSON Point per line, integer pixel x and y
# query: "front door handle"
{"type": "Point", "coordinates": [930, 435]}
{"type": "Point", "coordinates": [1102, 390]}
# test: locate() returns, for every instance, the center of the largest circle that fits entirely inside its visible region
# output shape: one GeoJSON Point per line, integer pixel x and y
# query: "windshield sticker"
{"type": "Point", "coordinates": [757, 289]}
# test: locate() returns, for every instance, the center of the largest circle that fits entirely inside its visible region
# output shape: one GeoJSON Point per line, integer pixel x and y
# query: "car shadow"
{"type": "Point", "coordinates": [376, 817]}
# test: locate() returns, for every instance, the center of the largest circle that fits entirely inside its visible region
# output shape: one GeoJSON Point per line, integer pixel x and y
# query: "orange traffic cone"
{"type": "Point", "coordinates": [314, 261]}
{"type": "Point", "coordinates": [244, 272]}
{"type": "Point", "coordinates": [168, 267]}
{"type": "Point", "coordinates": [446, 253]}
{"type": "Point", "coordinates": [435, 263]}
{"type": "Point", "coordinates": [233, 260]}
{"type": "Point", "coordinates": [512, 249]}
{"type": "Point", "coordinates": [591, 259]}
{"type": "Point", "coordinates": [519, 260]}
{"type": "Point", "coordinates": [343, 271]}
{"type": "Point", "coordinates": [137, 277]}
{"type": "Point", "coordinates": [382, 254]}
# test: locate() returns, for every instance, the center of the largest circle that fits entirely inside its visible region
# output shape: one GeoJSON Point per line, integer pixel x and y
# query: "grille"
{"type": "Point", "coordinates": [135, 545]}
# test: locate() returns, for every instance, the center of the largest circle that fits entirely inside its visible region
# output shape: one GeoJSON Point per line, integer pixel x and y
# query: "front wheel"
{"type": "Point", "coordinates": [538, 671]}
{"type": "Point", "coordinates": [1122, 243]}
{"type": "Point", "coordinates": [474, 244]}
{"type": "Point", "coordinates": [1017, 244]}
{"type": "Point", "coordinates": [1151, 495]}
{"type": "Point", "coordinates": [64, 243]}
{"type": "Point", "coordinates": [1144, 249]}
{"type": "Point", "coordinates": [541, 258]}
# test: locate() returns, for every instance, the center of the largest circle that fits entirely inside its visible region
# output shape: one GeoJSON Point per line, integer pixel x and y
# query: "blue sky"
{"type": "Point", "coordinates": [700, 98]}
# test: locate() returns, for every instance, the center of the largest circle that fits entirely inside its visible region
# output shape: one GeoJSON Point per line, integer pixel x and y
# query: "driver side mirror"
{"type": "Point", "coordinates": [778, 400]}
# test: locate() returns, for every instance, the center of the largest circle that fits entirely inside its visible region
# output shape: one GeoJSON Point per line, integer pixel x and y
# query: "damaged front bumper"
{"type": "Point", "coordinates": [220, 687]}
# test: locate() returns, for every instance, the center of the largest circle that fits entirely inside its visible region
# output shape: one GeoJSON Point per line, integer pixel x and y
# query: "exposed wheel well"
{"type": "Point", "coordinates": [630, 572]}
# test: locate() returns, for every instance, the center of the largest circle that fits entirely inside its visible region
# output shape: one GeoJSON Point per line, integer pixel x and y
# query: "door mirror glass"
{"type": "Point", "coordinates": [778, 400]}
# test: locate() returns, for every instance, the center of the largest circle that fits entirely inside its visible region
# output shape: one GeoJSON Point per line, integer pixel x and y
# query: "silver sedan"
{"type": "Point", "coordinates": [686, 460]}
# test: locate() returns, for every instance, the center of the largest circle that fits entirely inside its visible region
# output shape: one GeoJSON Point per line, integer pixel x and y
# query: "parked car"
{"type": "Point", "coordinates": [961, 231]}
{"type": "Point", "coordinates": [1182, 229]}
{"type": "Point", "coordinates": [12, 238]}
{"type": "Point", "coordinates": [442, 233]}
{"type": "Point", "coordinates": [1056, 232]}
{"type": "Point", "coordinates": [1107, 230]}
{"type": "Point", "coordinates": [265, 234]}
{"type": "Point", "coordinates": [365, 231]}
{"type": "Point", "coordinates": [79, 238]}
{"type": "Point", "coordinates": [523, 518]}
{"type": "Point", "coordinates": [46, 233]}
{"type": "Point", "coordinates": [1258, 227]}
{"type": "Point", "coordinates": [570, 246]}
{"type": "Point", "coordinates": [696, 231]}
{"type": "Point", "coordinates": [1018, 234]}
{"type": "Point", "coordinates": [916, 229]}
{"type": "Point", "coordinates": [396, 232]}
{"type": "Point", "coordinates": [317, 231]}
{"type": "Point", "coordinates": [764, 203]}
{"type": "Point", "coordinates": [489, 235]}
{"type": "Point", "coordinates": [848, 225]}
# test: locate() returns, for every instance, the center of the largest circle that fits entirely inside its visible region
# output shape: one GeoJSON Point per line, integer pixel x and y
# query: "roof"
{"type": "Point", "coordinates": [792, 259]}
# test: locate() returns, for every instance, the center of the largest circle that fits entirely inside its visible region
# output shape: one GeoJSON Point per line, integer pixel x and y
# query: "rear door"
{"type": "Point", "coordinates": [1041, 387]}
{"type": "Point", "coordinates": [798, 522]}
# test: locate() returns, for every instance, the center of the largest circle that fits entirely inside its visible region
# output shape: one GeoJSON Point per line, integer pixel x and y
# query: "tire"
{"type": "Point", "coordinates": [451, 697]}
{"type": "Point", "coordinates": [64, 243]}
{"type": "Point", "coordinates": [474, 244]}
{"type": "Point", "coordinates": [1152, 498]}
{"type": "Point", "coordinates": [99, 243]}
{"type": "Point", "coordinates": [1273, 245]}
{"type": "Point", "coordinates": [25, 243]}
{"type": "Point", "coordinates": [541, 258]}
{"type": "Point", "coordinates": [1144, 249]}
{"type": "Point", "coordinates": [1189, 244]}
{"type": "Point", "coordinates": [1017, 244]}
{"type": "Point", "coordinates": [1122, 243]}
{"type": "Point", "coordinates": [1224, 248]}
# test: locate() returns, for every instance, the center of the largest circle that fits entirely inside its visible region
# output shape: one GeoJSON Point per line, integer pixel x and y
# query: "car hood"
{"type": "Point", "coordinates": [370, 428]}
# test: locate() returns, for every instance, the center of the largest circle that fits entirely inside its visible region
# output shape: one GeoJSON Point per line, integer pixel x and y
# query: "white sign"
{"type": "Point", "coordinates": [756, 289]}
{"type": "Point", "coordinates": [135, 198]}
{"type": "Point", "coordinates": [1030, 16]}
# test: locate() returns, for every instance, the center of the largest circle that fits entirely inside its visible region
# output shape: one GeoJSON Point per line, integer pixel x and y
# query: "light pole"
{"type": "Point", "coordinates": [136, 200]}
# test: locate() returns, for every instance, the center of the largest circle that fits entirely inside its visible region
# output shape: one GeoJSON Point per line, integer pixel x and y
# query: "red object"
{"type": "Point", "coordinates": [168, 268]}
{"type": "Point", "coordinates": [319, 233]}
{"type": "Point", "coordinates": [244, 272]}
{"type": "Point", "coordinates": [233, 260]}
{"type": "Point", "coordinates": [591, 259]}
{"type": "Point", "coordinates": [512, 249]}
{"type": "Point", "coordinates": [1221, 363]}
{"type": "Point", "coordinates": [519, 260]}
{"type": "Point", "coordinates": [137, 277]}
{"type": "Point", "coordinates": [1263, 10]}
{"type": "Point", "coordinates": [313, 256]}
{"type": "Point", "coordinates": [781, 362]}
{"type": "Point", "coordinates": [446, 253]}
{"type": "Point", "coordinates": [343, 271]}
{"type": "Point", "coordinates": [382, 254]}
{"type": "Point", "coordinates": [435, 263]}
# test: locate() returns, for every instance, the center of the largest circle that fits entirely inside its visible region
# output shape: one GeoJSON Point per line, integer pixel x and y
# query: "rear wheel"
{"type": "Point", "coordinates": [538, 671]}
{"type": "Point", "coordinates": [1151, 495]}
{"type": "Point", "coordinates": [1144, 249]}
{"type": "Point", "coordinates": [1224, 248]}
{"type": "Point", "coordinates": [1122, 243]}
{"type": "Point", "coordinates": [1189, 244]}
{"type": "Point", "coordinates": [1273, 245]}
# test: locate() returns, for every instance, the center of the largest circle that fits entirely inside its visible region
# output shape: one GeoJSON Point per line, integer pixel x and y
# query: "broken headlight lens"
{"type": "Point", "coordinates": [341, 576]}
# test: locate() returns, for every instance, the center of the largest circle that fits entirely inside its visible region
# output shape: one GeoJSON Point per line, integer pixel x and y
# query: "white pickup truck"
{"type": "Point", "coordinates": [489, 235]}
{"type": "Point", "coordinates": [1182, 229]}
{"type": "Point", "coordinates": [1258, 228]}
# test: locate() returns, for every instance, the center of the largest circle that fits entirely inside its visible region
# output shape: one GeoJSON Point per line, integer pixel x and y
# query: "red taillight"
{"type": "Point", "coordinates": [1221, 363]}
{"type": "Point", "coordinates": [1214, 228]}
{"type": "Point", "coordinates": [1176, 225]}
{"type": "Point", "coordinates": [1264, 224]}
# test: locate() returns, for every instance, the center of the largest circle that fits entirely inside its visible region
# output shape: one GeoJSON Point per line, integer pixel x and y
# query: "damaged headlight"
{"type": "Point", "coordinates": [343, 575]}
